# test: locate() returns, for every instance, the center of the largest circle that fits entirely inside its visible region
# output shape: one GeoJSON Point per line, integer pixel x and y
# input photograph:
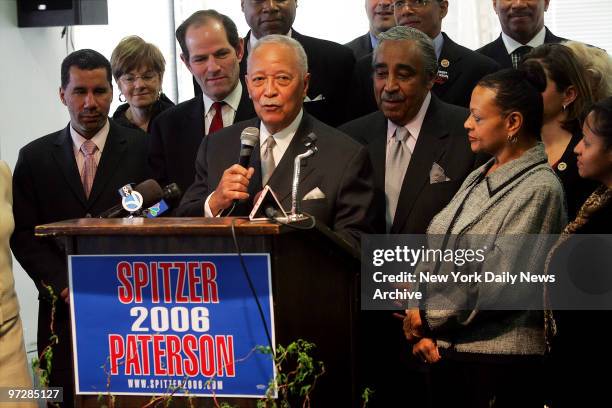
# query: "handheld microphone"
{"type": "Point", "coordinates": [249, 138]}
{"type": "Point", "coordinates": [149, 190]}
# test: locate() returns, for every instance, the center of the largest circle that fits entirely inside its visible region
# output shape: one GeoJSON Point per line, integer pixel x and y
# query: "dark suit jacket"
{"type": "Point", "coordinates": [443, 140]}
{"type": "Point", "coordinates": [361, 46]}
{"type": "Point", "coordinates": [47, 188]}
{"type": "Point", "coordinates": [454, 84]}
{"type": "Point", "coordinates": [330, 66]}
{"type": "Point", "coordinates": [340, 169]}
{"type": "Point", "coordinates": [497, 51]}
{"type": "Point", "coordinates": [176, 135]}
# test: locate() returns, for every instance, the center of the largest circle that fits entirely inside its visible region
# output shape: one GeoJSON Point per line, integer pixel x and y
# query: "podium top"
{"type": "Point", "coordinates": [157, 226]}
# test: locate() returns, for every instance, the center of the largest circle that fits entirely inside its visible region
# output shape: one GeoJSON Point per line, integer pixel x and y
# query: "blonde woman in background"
{"type": "Point", "coordinates": [13, 364]}
{"type": "Point", "coordinates": [598, 65]}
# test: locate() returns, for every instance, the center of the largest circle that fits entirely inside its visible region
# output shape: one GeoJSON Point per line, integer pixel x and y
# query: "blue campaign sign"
{"type": "Point", "coordinates": [148, 324]}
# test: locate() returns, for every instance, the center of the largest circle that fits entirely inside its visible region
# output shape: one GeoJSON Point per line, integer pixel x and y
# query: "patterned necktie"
{"type": "Point", "coordinates": [397, 160]}
{"type": "Point", "coordinates": [217, 120]}
{"type": "Point", "coordinates": [88, 148]}
{"type": "Point", "coordinates": [267, 162]}
{"type": "Point", "coordinates": [518, 54]}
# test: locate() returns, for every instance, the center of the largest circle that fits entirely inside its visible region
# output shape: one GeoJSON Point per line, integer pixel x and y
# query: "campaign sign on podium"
{"type": "Point", "coordinates": [155, 324]}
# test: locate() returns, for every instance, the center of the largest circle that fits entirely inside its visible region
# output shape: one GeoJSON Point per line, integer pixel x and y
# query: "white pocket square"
{"type": "Point", "coordinates": [436, 174]}
{"type": "Point", "coordinates": [314, 194]}
{"type": "Point", "coordinates": [315, 99]}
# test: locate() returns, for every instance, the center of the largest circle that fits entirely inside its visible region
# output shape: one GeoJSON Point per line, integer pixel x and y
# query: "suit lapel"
{"type": "Point", "coordinates": [448, 66]}
{"type": "Point", "coordinates": [64, 156]}
{"type": "Point", "coordinates": [114, 148]}
{"type": "Point", "coordinates": [429, 148]}
{"type": "Point", "coordinates": [245, 108]}
{"type": "Point", "coordinates": [280, 181]}
{"type": "Point", "coordinates": [378, 151]}
{"type": "Point", "coordinates": [501, 53]}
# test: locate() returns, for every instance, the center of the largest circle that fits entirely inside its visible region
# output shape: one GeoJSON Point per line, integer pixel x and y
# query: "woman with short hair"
{"type": "Point", "coordinates": [138, 67]}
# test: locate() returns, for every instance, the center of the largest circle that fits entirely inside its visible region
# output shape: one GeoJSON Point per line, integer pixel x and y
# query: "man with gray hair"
{"type": "Point", "coordinates": [336, 183]}
{"type": "Point", "coordinates": [458, 68]}
{"type": "Point", "coordinates": [421, 155]}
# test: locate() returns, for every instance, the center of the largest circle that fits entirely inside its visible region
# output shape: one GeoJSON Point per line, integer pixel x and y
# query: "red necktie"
{"type": "Point", "coordinates": [217, 120]}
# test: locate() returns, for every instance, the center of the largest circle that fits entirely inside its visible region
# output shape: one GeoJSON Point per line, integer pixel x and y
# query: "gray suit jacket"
{"type": "Point", "coordinates": [341, 169]}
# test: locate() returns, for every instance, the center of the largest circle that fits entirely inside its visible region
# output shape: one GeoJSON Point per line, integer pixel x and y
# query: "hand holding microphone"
{"type": "Point", "coordinates": [234, 183]}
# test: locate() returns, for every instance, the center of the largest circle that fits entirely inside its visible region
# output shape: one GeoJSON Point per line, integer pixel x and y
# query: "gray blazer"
{"type": "Point", "coordinates": [523, 196]}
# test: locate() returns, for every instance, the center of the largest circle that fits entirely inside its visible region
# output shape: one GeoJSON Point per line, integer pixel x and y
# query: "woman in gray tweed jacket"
{"type": "Point", "coordinates": [487, 358]}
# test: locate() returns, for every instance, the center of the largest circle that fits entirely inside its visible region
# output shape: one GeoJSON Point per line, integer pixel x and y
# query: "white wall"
{"type": "Point", "coordinates": [31, 108]}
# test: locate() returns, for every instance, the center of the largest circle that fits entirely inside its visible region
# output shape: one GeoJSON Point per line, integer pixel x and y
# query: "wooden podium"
{"type": "Point", "coordinates": [315, 285]}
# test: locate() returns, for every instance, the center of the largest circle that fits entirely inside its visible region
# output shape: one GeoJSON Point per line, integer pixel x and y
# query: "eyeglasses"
{"type": "Point", "coordinates": [147, 78]}
{"type": "Point", "coordinates": [414, 4]}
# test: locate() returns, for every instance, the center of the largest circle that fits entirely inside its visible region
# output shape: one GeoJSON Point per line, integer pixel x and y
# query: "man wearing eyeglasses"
{"type": "Point", "coordinates": [211, 50]}
{"type": "Point", "coordinates": [329, 64]}
{"type": "Point", "coordinates": [381, 18]}
{"type": "Point", "coordinates": [459, 68]}
{"type": "Point", "coordinates": [522, 23]}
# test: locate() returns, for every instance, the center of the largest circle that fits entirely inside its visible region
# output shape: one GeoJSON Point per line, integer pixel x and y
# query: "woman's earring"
{"type": "Point", "coordinates": [512, 139]}
{"type": "Point", "coordinates": [121, 96]}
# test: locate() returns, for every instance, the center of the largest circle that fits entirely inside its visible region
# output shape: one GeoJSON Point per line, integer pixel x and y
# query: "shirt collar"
{"type": "Point", "coordinates": [253, 40]}
{"type": "Point", "coordinates": [373, 40]}
{"type": "Point", "coordinates": [512, 45]}
{"type": "Point", "coordinates": [232, 100]}
{"type": "Point", "coordinates": [99, 138]}
{"type": "Point", "coordinates": [438, 42]}
{"type": "Point", "coordinates": [285, 134]}
{"type": "Point", "coordinates": [415, 125]}
{"type": "Point", "coordinates": [513, 168]}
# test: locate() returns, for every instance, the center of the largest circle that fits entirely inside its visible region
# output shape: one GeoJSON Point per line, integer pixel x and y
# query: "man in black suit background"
{"type": "Point", "coordinates": [381, 18]}
{"type": "Point", "coordinates": [212, 50]}
{"type": "Point", "coordinates": [336, 183]}
{"type": "Point", "coordinates": [72, 173]}
{"type": "Point", "coordinates": [329, 63]}
{"type": "Point", "coordinates": [420, 154]}
{"type": "Point", "coordinates": [459, 68]}
{"type": "Point", "coordinates": [523, 29]}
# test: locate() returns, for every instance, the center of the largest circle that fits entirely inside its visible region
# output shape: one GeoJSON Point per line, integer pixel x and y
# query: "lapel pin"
{"type": "Point", "coordinates": [445, 63]}
{"type": "Point", "coordinates": [562, 166]}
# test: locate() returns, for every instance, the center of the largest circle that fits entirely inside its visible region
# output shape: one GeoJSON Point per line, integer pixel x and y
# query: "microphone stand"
{"type": "Point", "coordinates": [296, 215]}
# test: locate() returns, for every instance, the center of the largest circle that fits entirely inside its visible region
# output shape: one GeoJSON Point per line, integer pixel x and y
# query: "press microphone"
{"type": "Point", "coordinates": [249, 138]}
{"type": "Point", "coordinates": [142, 196]}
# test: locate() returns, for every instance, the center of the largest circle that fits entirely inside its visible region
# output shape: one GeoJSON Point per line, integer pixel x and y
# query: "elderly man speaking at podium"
{"type": "Point", "coordinates": [336, 185]}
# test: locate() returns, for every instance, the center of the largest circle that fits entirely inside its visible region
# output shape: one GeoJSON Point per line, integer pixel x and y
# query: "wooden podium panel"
{"type": "Point", "coordinates": [315, 281]}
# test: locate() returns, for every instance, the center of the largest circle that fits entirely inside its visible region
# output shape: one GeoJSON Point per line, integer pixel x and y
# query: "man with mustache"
{"type": "Point", "coordinates": [458, 71]}
{"type": "Point", "coordinates": [522, 23]}
{"type": "Point", "coordinates": [336, 183]}
{"type": "Point", "coordinates": [329, 63]}
{"type": "Point", "coordinates": [421, 155]}
{"type": "Point", "coordinates": [211, 50]}
{"type": "Point", "coordinates": [381, 18]}
{"type": "Point", "coordinates": [72, 173]}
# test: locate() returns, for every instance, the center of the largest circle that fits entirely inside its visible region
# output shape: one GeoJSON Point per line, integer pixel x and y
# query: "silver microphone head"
{"type": "Point", "coordinates": [250, 136]}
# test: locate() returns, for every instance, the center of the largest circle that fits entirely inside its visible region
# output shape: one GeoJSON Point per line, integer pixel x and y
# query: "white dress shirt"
{"type": "Point", "coordinates": [512, 45]}
{"type": "Point", "coordinates": [282, 139]}
{"type": "Point", "coordinates": [77, 141]}
{"type": "Point", "coordinates": [232, 101]}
